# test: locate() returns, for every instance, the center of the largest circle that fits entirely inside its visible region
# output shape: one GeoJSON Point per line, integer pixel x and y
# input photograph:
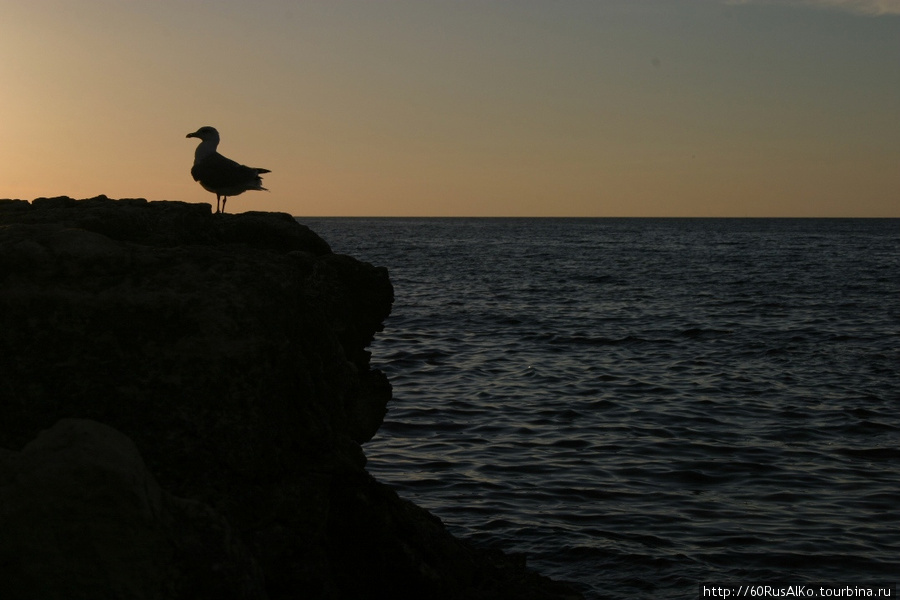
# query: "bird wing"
{"type": "Point", "coordinates": [217, 171]}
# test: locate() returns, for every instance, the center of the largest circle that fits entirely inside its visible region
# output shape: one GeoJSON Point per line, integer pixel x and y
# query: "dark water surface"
{"type": "Point", "coordinates": [643, 404]}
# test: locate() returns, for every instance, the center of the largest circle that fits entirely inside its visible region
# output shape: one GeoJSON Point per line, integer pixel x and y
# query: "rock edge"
{"type": "Point", "coordinates": [189, 393]}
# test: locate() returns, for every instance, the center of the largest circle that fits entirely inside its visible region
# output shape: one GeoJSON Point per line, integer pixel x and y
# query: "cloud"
{"type": "Point", "coordinates": [863, 7]}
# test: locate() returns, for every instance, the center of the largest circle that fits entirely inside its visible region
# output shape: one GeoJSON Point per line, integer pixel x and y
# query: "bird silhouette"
{"type": "Point", "coordinates": [219, 175]}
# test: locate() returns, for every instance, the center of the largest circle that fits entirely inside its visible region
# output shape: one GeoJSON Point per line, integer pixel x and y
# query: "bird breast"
{"type": "Point", "coordinates": [204, 149]}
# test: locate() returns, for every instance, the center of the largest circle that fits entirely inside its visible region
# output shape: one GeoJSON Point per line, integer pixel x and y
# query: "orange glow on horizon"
{"type": "Point", "coordinates": [676, 108]}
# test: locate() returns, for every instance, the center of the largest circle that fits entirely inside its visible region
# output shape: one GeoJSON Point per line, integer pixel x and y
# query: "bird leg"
{"type": "Point", "coordinates": [224, 200]}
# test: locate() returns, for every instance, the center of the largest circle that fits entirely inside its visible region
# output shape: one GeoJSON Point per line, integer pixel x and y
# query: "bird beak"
{"type": "Point", "coordinates": [192, 135]}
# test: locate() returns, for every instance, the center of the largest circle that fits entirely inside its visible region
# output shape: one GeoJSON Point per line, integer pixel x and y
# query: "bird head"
{"type": "Point", "coordinates": [206, 134]}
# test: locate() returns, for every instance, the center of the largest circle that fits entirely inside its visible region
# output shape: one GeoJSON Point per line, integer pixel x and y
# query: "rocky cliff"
{"type": "Point", "coordinates": [182, 406]}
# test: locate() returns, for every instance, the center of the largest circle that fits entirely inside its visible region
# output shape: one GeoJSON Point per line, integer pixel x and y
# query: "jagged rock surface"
{"type": "Point", "coordinates": [80, 507]}
{"type": "Point", "coordinates": [220, 361]}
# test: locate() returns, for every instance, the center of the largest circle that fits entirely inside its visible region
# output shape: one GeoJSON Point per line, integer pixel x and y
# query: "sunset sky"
{"type": "Point", "coordinates": [463, 107]}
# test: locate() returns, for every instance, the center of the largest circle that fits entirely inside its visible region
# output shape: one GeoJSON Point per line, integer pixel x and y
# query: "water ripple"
{"type": "Point", "coordinates": [640, 404]}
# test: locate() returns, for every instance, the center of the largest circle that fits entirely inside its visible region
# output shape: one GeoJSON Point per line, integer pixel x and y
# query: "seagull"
{"type": "Point", "coordinates": [219, 175]}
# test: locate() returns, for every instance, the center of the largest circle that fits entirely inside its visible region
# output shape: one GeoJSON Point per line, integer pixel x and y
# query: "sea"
{"type": "Point", "coordinates": [642, 406]}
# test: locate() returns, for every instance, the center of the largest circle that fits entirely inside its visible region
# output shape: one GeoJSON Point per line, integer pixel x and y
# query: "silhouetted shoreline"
{"type": "Point", "coordinates": [184, 400]}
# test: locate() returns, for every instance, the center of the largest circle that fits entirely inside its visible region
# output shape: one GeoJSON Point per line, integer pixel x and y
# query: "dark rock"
{"type": "Point", "coordinates": [83, 518]}
{"type": "Point", "coordinates": [231, 350]}
{"type": "Point", "coordinates": [166, 223]}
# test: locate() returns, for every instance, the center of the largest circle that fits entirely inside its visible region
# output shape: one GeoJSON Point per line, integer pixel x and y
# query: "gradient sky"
{"type": "Point", "coordinates": [462, 108]}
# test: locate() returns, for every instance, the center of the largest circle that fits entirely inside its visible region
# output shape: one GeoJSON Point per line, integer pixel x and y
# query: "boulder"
{"type": "Point", "coordinates": [205, 387]}
{"type": "Point", "coordinates": [82, 518]}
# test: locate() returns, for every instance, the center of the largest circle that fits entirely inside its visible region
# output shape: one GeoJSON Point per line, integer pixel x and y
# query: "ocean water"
{"type": "Point", "coordinates": [640, 405]}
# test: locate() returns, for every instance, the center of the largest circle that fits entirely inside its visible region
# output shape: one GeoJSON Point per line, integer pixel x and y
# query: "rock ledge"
{"type": "Point", "coordinates": [183, 400]}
